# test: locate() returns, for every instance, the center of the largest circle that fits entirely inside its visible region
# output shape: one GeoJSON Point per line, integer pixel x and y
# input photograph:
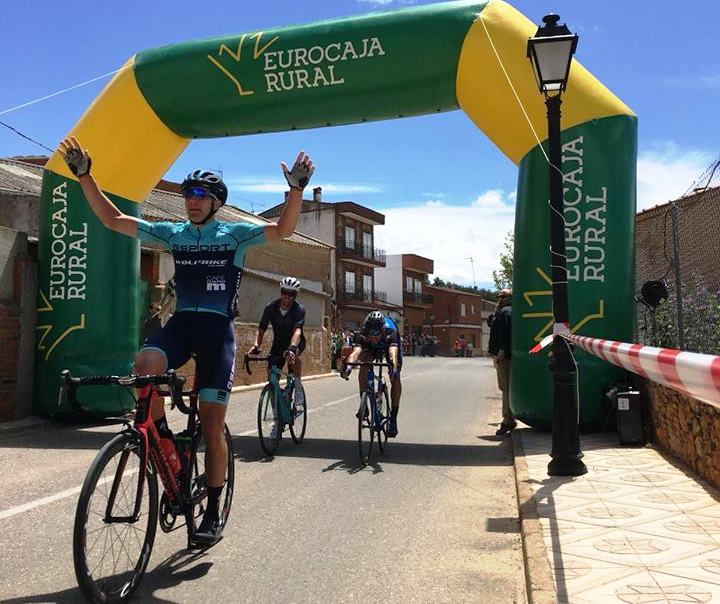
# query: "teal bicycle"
{"type": "Point", "coordinates": [279, 408]}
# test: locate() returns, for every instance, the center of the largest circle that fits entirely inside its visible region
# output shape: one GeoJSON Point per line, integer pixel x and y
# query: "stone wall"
{"type": "Point", "coordinates": [686, 429]}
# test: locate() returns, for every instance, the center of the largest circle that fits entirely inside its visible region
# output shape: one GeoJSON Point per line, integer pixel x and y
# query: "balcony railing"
{"type": "Point", "coordinates": [363, 295]}
{"type": "Point", "coordinates": [363, 251]}
{"type": "Point", "coordinates": [417, 298]}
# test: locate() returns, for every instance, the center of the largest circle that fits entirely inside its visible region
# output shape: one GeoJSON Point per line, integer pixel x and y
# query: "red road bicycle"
{"type": "Point", "coordinates": [118, 509]}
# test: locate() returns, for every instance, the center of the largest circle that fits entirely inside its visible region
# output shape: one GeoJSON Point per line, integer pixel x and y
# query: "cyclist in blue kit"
{"type": "Point", "coordinates": [378, 338]}
{"type": "Point", "coordinates": [209, 256]}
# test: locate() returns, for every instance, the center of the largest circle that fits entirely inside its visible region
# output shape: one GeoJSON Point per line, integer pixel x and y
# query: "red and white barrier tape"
{"type": "Point", "coordinates": [692, 373]}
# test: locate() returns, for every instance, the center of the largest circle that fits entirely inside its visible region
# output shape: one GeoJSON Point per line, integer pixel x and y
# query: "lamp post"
{"type": "Point", "coordinates": [550, 52]}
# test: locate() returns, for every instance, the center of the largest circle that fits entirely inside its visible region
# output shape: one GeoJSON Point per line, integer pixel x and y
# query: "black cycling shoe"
{"type": "Point", "coordinates": [392, 430]}
{"type": "Point", "coordinates": [210, 530]}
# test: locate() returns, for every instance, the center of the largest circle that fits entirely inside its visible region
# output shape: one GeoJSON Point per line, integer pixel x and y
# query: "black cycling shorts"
{"type": "Point", "coordinates": [211, 338]}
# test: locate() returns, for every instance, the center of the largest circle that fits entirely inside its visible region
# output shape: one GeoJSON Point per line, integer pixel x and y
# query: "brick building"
{"type": "Point", "coordinates": [348, 228]}
{"type": "Point", "coordinates": [697, 230]}
{"type": "Point", "coordinates": [456, 313]}
{"type": "Point", "coordinates": [405, 279]}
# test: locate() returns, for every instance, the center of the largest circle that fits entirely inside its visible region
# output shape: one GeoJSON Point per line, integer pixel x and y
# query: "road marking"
{"type": "Point", "coordinates": [52, 498]}
{"type": "Point", "coordinates": [75, 490]}
{"type": "Point", "coordinates": [330, 404]}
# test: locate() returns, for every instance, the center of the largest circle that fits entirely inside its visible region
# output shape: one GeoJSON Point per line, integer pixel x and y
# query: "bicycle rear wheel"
{"type": "Point", "coordinates": [299, 411]}
{"type": "Point", "coordinates": [111, 550]}
{"type": "Point", "coordinates": [268, 421]}
{"type": "Point", "coordinates": [197, 484]}
{"type": "Point", "coordinates": [383, 408]}
{"type": "Point", "coordinates": [365, 429]}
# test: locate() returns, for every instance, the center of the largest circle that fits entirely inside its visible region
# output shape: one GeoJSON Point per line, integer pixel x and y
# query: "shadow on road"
{"type": "Point", "coordinates": [247, 449]}
{"type": "Point", "coordinates": [63, 435]}
{"type": "Point", "coordinates": [169, 573]}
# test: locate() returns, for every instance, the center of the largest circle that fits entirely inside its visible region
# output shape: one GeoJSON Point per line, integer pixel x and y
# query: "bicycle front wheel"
{"type": "Point", "coordinates": [111, 545]}
{"type": "Point", "coordinates": [365, 429]}
{"type": "Point", "coordinates": [299, 411]}
{"type": "Point", "coordinates": [383, 409]}
{"type": "Point", "coordinates": [268, 421]}
{"type": "Point", "coordinates": [197, 483]}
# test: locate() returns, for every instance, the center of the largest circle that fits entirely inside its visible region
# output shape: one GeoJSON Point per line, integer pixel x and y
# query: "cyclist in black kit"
{"type": "Point", "coordinates": [287, 317]}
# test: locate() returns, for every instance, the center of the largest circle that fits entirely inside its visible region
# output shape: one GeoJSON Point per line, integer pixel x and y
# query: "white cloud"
{"type": "Point", "coordinates": [666, 172]}
{"type": "Point", "coordinates": [260, 185]}
{"type": "Point", "coordinates": [451, 234]}
{"type": "Point", "coordinates": [708, 81]}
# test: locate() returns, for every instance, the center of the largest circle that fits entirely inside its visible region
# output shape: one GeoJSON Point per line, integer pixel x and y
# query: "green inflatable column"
{"type": "Point", "coordinates": [598, 165]}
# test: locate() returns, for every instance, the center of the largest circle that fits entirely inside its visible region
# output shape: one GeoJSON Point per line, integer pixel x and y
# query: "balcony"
{"type": "Point", "coordinates": [417, 298]}
{"type": "Point", "coordinates": [363, 253]}
{"type": "Point", "coordinates": [365, 296]}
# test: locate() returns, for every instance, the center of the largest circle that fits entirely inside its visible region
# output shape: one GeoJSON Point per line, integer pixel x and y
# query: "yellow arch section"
{"type": "Point", "coordinates": [493, 53]}
{"type": "Point", "coordinates": [133, 146]}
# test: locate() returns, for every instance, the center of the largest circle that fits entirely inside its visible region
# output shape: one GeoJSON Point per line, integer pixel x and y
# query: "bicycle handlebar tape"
{"type": "Point", "coordinates": [379, 66]}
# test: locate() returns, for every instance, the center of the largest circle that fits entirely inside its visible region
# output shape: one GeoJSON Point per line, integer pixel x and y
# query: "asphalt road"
{"type": "Point", "coordinates": [434, 519]}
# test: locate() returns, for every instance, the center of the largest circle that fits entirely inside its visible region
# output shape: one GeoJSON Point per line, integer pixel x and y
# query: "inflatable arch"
{"type": "Point", "coordinates": [378, 66]}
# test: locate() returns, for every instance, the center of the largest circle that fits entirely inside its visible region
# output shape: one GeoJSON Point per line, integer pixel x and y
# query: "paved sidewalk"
{"type": "Point", "coordinates": [635, 529]}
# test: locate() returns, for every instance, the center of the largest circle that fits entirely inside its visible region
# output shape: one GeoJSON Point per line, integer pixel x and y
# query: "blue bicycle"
{"type": "Point", "coordinates": [374, 412]}
{"type": "Point", "coordinates": [279, 408]}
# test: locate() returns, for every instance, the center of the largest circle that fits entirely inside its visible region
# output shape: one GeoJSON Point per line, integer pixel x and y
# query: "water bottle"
{"type": "Point", "coordinates": [182, 442]}
{"type": "Point", "coordinates": [167, 444]}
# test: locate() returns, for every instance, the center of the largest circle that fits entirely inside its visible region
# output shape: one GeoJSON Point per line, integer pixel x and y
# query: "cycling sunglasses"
{"type": "Point", "coordinates": [287, 292]}
{"type": "Point", "coordinates": [198, 192]}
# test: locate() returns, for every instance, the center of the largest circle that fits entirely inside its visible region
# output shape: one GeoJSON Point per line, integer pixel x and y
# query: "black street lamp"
{"type": "Point", "coordinates": [550, 52]}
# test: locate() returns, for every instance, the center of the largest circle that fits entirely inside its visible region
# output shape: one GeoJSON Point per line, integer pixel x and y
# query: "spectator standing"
{"type": "Point", "coordinates": [499, 347]}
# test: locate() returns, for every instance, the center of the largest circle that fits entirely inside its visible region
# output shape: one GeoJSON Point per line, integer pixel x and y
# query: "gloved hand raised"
{"type": "Point", "coordinates": [302, 170]}
{"type": "Point", "coordinates": [76, 159]}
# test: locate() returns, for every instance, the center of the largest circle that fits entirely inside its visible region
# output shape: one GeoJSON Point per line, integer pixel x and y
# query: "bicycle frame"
{"type": "Point", "coordinates": [143, 429]}
{"type": "Point", "coordinates": [282, 395]}
{"type": "Point", "coordinates": [370, 387]}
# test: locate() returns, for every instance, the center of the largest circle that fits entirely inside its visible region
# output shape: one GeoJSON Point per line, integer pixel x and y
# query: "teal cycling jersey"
{"type": "Point", "coordinates": [209, 260]}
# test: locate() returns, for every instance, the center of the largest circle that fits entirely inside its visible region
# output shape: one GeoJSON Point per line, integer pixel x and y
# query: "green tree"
{"type": "Point", "coordinates": [504, 277]}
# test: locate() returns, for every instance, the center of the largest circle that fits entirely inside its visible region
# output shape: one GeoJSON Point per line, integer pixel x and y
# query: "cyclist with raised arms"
{"type": "Point", "coordinates": [378, 338]}
{"type": "Point", "coordinates": [287, 317]}
{"type": "Point", "coordinates": [209, 257]}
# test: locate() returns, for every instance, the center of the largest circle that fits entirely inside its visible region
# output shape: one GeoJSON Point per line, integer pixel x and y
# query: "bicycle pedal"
{"type": "Point", "coordinates": [201, 546]}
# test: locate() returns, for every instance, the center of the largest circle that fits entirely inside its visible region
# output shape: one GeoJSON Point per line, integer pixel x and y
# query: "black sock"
{"type": "Point", "coordinates": [213, 505]}
{"type": "Point", "coordinates": [394, 412]}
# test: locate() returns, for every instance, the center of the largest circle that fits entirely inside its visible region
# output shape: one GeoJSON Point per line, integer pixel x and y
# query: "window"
{"type": "Point", "coordinates": [367, 288]}
{"type": "Point", "coordinates": [409, 283]}
{"type": "Point", "coordinates": [350, 237]}
{"type": "Point", "coordinates": [472, 310]}
{"type": "Point", "coordinates": [418, 286]}
{"type": "Point", "coordinates": [462, 309]}
{"type": "Point", "coordinates": [349, 282]}
{"type": "Point", "coordinates": [367, 244]}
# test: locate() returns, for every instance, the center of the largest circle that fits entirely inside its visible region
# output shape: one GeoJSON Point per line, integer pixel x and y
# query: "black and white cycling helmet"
{"type": "Point", "coordinates": [290, 284]}
{"type": "Point", "coordinates": [374, 323]}
{"type": "Point", "coordinates": [208, 180]}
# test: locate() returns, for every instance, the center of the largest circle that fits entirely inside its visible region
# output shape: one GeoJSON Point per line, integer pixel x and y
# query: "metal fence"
{"type": "Point", "coordinates": [678, 245]}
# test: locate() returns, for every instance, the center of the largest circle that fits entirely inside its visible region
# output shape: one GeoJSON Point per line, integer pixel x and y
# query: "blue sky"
{"type": "Point", "coordinates": [446, 191]}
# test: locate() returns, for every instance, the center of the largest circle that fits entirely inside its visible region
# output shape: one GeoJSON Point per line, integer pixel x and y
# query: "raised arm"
{"type": "Point", "coordinates": [297, 178]}
{"type": "Point", "coordinates": [79, 162]}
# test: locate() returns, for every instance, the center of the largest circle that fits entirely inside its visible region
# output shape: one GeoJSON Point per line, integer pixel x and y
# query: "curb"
{"type": "Point", "coordinates": [308, 378]}
{"type": "Point", "coordinates": [539, 582]}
